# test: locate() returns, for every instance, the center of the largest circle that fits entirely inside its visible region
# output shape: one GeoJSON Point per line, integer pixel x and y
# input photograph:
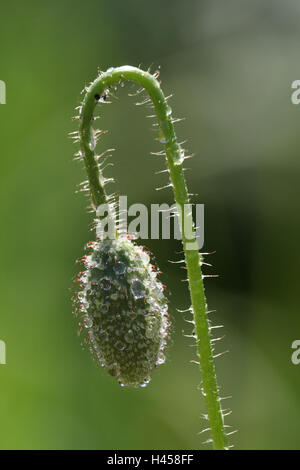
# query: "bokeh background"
{"type": "Point", "coordinates": [230, 66]}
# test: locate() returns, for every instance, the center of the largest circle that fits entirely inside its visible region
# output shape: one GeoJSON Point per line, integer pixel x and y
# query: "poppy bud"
{"type": "Point", "coordinates": [122, 310]}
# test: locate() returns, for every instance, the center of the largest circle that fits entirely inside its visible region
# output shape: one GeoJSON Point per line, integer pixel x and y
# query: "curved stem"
{"type": "Point", "coordinates": [192, 258]}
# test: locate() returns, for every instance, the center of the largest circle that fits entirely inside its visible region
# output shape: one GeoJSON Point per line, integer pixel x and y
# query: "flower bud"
{"type": "Point", "coordinates": [122, 310]}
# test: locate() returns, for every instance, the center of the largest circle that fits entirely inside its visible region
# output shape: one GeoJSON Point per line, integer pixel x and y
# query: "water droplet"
{"type": "Point", "coordinates": [104, 308]}
{"type": "Point", "coordinates": [149, 332]}
{"type": "Point", "coordinates": [138, 289]}
{"type": "Point", "coordinates": [129, 337]}
{"type": "Point", "coordinates": [168, 111]}
{"type": "Point", "coordinates": [119, 268]}
{"type": "Point", "coordinates": [95, 275]}
{"type": "Point", "coordinates": [92, 142]}
{"type": "Point", "coordinates": [145, 383]}
{"type": "Point", "coordinates": [88, 321]}
{"type": "Point", "coordinates": [119, 345]}
{"type": "Point", "coordinates": [105, 283]}
{"type": "Point", "coordinates": [161, 359]}
{"type": "Point", "coordinates": [135, 327]}
{"type": "Point", "coordinates": [161, 137]}
{"type": "Point", "coordinates": [159, 292]}
{"type": "Point", "coordinates": [145, 257]}
{"type": "Point", "coordinates": [96, 257]}
{"type": "Point", "coordinates": [179, 157]}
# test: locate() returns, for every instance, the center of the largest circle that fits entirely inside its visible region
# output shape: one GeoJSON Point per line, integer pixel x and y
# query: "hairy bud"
{"type": "Point", "coordinates": [122, 310]}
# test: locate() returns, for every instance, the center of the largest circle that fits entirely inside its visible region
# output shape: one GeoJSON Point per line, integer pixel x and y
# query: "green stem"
{"type": "Point", "coordinates": [192, 258]}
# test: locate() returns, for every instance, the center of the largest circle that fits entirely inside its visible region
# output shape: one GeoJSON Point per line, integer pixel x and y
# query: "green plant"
{"type": "Point", "coordinates": [139, 367]}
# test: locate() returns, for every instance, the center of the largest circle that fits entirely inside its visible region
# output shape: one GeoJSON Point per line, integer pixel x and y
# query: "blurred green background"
{"type": "Point", "coordinates": [230, 66]}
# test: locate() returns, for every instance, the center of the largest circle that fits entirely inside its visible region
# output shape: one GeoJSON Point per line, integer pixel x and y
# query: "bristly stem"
{"type": "Point", "coordinates": [175, 156]}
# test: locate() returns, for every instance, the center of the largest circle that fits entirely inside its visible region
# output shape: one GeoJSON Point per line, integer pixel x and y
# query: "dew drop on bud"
{"type": "Point", "coordinates": [95, 275]}
{"type": "Point", "coordinates": [119, 268]}
{"type": "Point", "coordinates": [105, 283]}
{"type": "Point", "coordinates": [138, 289]}
{"type": "Point", "coordinates": [129, 337]}
{"type": "Point", "coordinates": [88, 321]}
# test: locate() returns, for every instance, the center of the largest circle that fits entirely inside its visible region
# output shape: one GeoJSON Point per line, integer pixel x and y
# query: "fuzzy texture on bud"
{"type": "Point", "coordinates": [122, 310]}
